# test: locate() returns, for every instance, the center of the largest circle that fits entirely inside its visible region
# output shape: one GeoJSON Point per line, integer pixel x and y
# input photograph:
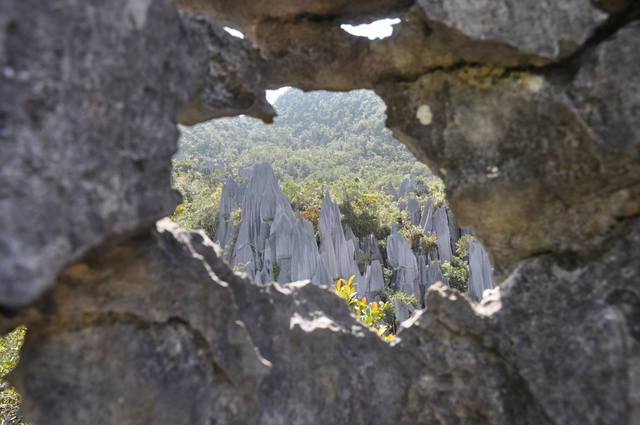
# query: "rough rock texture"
{"type": "Point", "coordinates": [263, 204]}
{"type": "Point", "coordinates": [442, 230]}
{"type": "Point", "coordinates": [548, 162]}
{"type": "Point", "coordinates": [372, 281]}
{"type": "Point", "coordinates": [128, 348]}
{"type": "Point", "coordinates": [296, 349]}
{"type": "Point", "coordinates": [403, 263]}
{"type": "Point", "coordinates": [230, 203]}
{"type": "Point", "coordinates": [234, 83]}
{"type": "Point", "coordinates": [337, 251]}
{"type": "Point", "coordinates": [90, 93]}
{"type": "Point", "coordinates": [480, 273]}
{"type": "Point", "coordinates": [559, 27]}
{"type": "Point", "coordinates": [539, 155]}
{"type": "Point", "coordinates": [273, 243]}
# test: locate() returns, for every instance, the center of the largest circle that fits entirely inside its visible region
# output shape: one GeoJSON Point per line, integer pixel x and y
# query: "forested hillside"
{"type": "Point", "coordinates": [316, 136]}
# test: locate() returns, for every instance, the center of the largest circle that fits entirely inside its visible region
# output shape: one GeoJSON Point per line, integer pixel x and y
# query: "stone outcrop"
{"type": "Point", "coordinates": [227, 349]}
{"type": "Point", "coordinates": [273, 243]}
{"type": "Point", "coordinates": [337, 251]}
{"type": "Point", "coordinates": [230, 203]}
{"type": "Point", "coordinates": [403, 263]}
{"type": "Point", "coordinates": [531, 120]}
{"type": "Point", "coordinates": [90, 94]}
{"type": "Point", "coordinates": [480, 273]}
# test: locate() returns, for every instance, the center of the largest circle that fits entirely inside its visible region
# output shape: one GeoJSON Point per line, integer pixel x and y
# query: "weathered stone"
{"type": "Point", "coordinates": [266, 220]}
{"type": "Point", "coordinates": [166, 300]}
{"type": "Point", "coordinates": [480, 272]}
{"type": "Point", "coordinates": [142, 333]}
{"type": "Point", "coordinates": [230, 203]}
{"type": "Point", "coordinates": [369, 246]}
{"type": "Point", "coordinates": [541, 161]}
{"type": "Point", "coordinates": [559, 28]}
{"type": "Point", "coordinates": [413, 208]}
{"type": "Point", "coordinates": [426, 220]}
{"type": "Point", "coordinates": [404, 264]}
{"type": "Point", "coordinates": [372, 281]}
{"type": "Point", "coordinates": [234, 83]}
{"type": "Point", "coordinates": [306, 262]}
{"type": "Point", "coordinates": [529, 158]}
{"type": "Point", "coordinates": [441, 229]}
{"type": "Point", "coordinates": [89, 94]}
{"type": "Point", "coordinates": [338, 252]}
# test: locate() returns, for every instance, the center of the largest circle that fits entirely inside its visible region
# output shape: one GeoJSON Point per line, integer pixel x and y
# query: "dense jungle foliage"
{"type": "Point", "coordinates": [317, 136]}
{"type": "Point", "coordinates": [320, 141]}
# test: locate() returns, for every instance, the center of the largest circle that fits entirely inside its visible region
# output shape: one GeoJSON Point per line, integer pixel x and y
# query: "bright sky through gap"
{"type": "Point", "coordinates": [382, 28]}
{"type": "Point", "coordinates": [272, 95]}
{"type": "Point", "coordinates": [234, 32]}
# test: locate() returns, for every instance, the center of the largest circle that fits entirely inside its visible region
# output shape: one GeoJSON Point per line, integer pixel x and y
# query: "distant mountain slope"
{"type": "Point", "coordinates": [317, 135]}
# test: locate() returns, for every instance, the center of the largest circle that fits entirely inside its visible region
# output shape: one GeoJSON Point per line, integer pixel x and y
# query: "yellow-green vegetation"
{"type": "Point", "coordinates": [10, 346]}
{"type": "Point", "coordinates": [201, 191]}
{"type": "Point", "coordinates": [317, 135]}
{"type": "Point", "coordinates": [370, 314]}
{"type": "Point", "coordinates": [462, 246]}
{"type": "Point", "coordinates": [436, 191]}
{"type": "Point", "coordinates": [364, 204]}
{"type": "Point", "coordinates": [458, 270]}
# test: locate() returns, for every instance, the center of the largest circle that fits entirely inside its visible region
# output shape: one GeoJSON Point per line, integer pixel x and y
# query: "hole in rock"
{"type": "Point", "coordinates": [382, 28]}
{"type": "Point", "coordinates": [326, 193]}
{"type": "Point", "coordinates": [273, 95]}
{"type": "Point", "coordinates": [234, 32]}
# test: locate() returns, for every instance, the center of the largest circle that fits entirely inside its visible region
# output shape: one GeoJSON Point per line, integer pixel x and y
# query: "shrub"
{"type": "Point", "coordinates": [458, 273]}
{"type": "Point", "coordinates": [10, 346]}
{"type": "Point", "coordinates": [370, 314]}
{"type": "Point", "coordinates": [462, 246]}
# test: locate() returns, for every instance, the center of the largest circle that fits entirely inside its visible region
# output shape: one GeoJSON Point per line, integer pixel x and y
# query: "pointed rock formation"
{"type": "Point", "coordinates": [369, 246]}
{"type": "Point", "coordinates": [426, 219]}
{"type": "Point", "coordinates": [407, 185]}
{"type": "Point", "coordinates": [274, 243]}
{"type": "Point", "coordinates": [306, 262]}
{"type": "Point", "coordinates": [263, 203]}
{"type": "Point", "coordinates": [441, 229]}
{"type": "Point", "coordinates": [337, 251]}
{"type": "Point", "coordinates": [230, 202]}
{"type": "Point", "coordinates": [480, 273]}
{"type": "Point", "coordinates": [413, 208]}
{"type": "Point", "coordinates": [404, 264]}
{"type": "Point", "coordinates": [372, 281]}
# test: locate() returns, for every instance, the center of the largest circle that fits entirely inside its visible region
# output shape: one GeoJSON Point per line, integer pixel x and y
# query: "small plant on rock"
{"type": "Point", "coordinates": [369, 314]}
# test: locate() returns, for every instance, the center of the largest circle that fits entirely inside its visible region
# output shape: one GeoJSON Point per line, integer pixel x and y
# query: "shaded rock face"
{"type": "Point", "coordinates": [270, 242]}
{"type": "Point", "coordinates": [337, 251]}
{"type": "Point", "coordinates": [559, 28]}
{"type": "Point", "coordinates": [90, 94]}
{"type": "Point", "coordinates": [538, 150]}
{"type": "Point", "coordinates": [225, 349]}
{"type": "Point", "coordinates": [575, 173]}
{"type": "Point", "coordinates": [182, 359]}
{"type": "Point", "coordinates": [230, 203]}
{"type": "Point", "coordinates": [480, 272]}
{"type": "Point", "coordinates": [403, 262]}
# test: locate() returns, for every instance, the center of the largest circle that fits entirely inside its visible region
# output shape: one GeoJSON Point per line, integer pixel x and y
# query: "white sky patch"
{"type": "Point", "coordinates": [273, 95]}
{"type": "Point", "coordinates": [234, 32]}
{"type": "Point", "coordinates": [381, 28]}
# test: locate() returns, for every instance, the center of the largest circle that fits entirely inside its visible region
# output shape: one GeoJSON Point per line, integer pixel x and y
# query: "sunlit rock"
{"type": "Point", "coordinates": [480, 272]}
{"type": "Point", "coordinates": [230, 204]}
{"type": "Point", "coordinates": [404, 264]}
{"type": "Point", "coordinates": [337, 252]}
{"type": "Point", "coordinates": [441, 229]}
